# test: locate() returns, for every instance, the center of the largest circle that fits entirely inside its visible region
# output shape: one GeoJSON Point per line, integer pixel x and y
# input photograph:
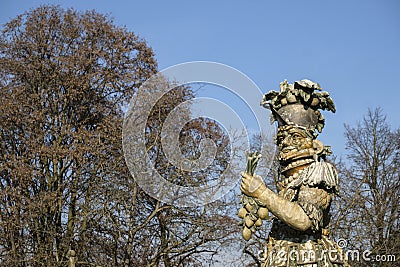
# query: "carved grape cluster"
{"type": "Point", "coordinates": [252, 211]}
{"type": "Point", "coordinates": [252, 214]}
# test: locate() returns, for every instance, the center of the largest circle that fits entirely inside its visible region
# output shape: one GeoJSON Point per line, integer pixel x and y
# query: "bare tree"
{"type": "Point", "coordinates": [65, 77]}
{"type": "Point", "coordinates": [188, 236]}
{"type": "Point", "coordinates": [368, 208]}
{"type": "Point", "coordinates": [66, 192]}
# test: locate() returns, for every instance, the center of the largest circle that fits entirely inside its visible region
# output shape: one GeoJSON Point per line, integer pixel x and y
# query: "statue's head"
{"type": "Point", "coordinates": [296, 109]}
{"type": "Point", "coordinates": [296, 143]}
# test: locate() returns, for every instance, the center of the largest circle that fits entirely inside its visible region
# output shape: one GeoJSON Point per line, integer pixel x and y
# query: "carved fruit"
{"type": "Point", "coordinates": [258, 222]}
{"type": "Point", "coordinates": [291, 98]}
{"type": "Point", "coordinates": [248, 222]}
{"type": "Point", "coordinates": [248, 207]}
{"type": "Point", "coordinates": [314, 102]}
{"type": "Point", "coordinates": [253, 217]}
{"type": "Point", "coordinates": [242, 213]}
{"type": "Point", "coordinates": [262, 213]}
{"type": "Point", "coordinates": [246, 233]}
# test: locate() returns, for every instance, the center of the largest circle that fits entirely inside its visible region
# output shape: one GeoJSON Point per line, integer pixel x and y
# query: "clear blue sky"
{"type": "Point", "coordinates": [350, 47]}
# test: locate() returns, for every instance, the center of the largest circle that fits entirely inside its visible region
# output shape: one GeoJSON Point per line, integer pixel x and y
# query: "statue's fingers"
{"type": "Point", "coordinates": [242, 188]}
{"type": "Point", "coordinates": [246, 175]}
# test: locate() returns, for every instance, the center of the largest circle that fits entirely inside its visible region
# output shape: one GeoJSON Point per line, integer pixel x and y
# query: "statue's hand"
{"type": "Point", "coordinates": [252, 186]}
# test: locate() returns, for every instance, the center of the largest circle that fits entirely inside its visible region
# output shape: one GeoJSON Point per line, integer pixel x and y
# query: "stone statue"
{"type": "Point", "coordinates": [299, 234]}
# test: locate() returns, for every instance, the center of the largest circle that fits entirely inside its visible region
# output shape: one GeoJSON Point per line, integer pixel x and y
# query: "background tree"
{"type": "Point", "coordinates": [369, 209]}
{"type": "Point", "coordinates": [171, 235]}
{"type": "Point", "coordinates": [66, 78]}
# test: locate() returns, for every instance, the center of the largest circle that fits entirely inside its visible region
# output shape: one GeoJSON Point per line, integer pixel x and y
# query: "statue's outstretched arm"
{"type": "Point", "coordinates": [289, 212]}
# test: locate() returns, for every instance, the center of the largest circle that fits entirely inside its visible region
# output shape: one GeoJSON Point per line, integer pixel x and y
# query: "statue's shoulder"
{"type": "Point", "coordinates": [318, 174]}
{"type": "Point", "coordinates": [322, 174]}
